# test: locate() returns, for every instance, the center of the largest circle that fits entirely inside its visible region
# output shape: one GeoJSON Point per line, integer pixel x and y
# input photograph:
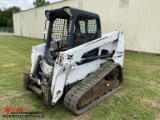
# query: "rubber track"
{"type": "Point", "coordinates": [74, 94]}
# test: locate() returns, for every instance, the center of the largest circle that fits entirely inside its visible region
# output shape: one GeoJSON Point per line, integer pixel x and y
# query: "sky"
{"type": "Point", "coordinates": [23, 4]}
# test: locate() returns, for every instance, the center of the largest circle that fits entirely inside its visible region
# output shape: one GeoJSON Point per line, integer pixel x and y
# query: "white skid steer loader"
{"type": "Point", "coordinates": [76, 61]}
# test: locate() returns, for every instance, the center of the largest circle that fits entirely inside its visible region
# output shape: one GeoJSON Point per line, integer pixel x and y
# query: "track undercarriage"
{"type": "Point", "coordinates": [94, 88]}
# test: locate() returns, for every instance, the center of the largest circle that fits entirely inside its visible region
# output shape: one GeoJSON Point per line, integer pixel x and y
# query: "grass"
{"type": "Point", "coordinates": [139, 98]}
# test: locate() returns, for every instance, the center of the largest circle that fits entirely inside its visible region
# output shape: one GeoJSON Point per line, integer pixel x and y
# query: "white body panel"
{"type": "Point", "coordinates": [79, 72]}
{"type": "Point", "coordinates": [36, 51]}
{"type": "Point", "coordinates": [118, 57]}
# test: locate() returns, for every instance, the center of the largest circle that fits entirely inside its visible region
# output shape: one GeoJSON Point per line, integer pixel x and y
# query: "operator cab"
{"type": "Point", "coordinates": [69, 28]}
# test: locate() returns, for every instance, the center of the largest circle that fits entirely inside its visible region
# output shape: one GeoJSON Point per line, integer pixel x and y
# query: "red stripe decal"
{"type": "Point", "coordinates": [96, 41]}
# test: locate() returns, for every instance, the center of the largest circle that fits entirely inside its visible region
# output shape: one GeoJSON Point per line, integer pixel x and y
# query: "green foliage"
{"type": "Point", "coordinates": [6, 18]}
{"type": "Point", "coordinates": [38, 3]}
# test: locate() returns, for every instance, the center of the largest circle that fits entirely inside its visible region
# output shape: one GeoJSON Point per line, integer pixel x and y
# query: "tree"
{"type": "Point", "coordinates": [38, 3]}
{"type": "Point", "coordinates": [6, 18]}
